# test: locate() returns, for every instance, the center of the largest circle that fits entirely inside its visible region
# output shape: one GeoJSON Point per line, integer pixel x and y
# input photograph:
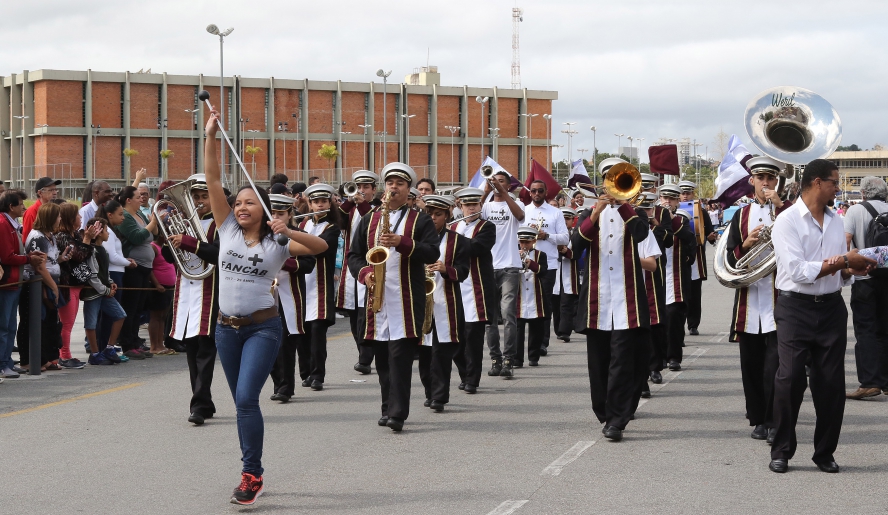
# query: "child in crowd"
{"type": "Point", "coordinates": [98, 296]}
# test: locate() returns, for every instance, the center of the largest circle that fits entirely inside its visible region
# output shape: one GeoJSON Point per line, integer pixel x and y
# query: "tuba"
{"type": "Point", "coordinates": [794, 126]}
{"type": "Point", "coordinates": [177, 214]}
{"type": "Point", "coordinates": [377, 256]}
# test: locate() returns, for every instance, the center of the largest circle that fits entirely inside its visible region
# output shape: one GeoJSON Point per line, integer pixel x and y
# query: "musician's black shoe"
{"type": "Point", "coordinates": [317, 385]}
{"type": "Point", "coordinates": [495, 368]}
{"type": "Point", "coordinates": [612, 433]}
{"type": "Point", "coordinates": [471, 388]}
{"type": "Point", "coordinates": [196, 419]}
{"type": "Point", "coordinates": [306, 382]}
{"type": "Point", "coordinates": [564, 338]}
{"type": "Point", "coordinates": [533, 363]}
{"type": "Point", "coordinates": [772, 432]}
{"type": "Point", "coordinates": [828, 466]}
{"type": "Point", "coordinates": [363, 369]}
{"type": "Point", "coordinates": [694, 331]}
{"type": "Point", "coordinates": [674, 366]}
{"type": "Point", "coordinates": [646, 394]}
{"type": "Point", "coordinates": [544, 351]}
{"type": "Point", "coordinates": [427, 403]}
{"type": "Point", "coordinates": [396, 424]}
{"type": "Point", "coordinates": [462, 386]}
{"type": "Point", "coordinates": [280, 397]}
{"type": "Point", "coordinates": [437, 406]}
{"type": "Point", "coordinates": [517, 365]}
{"type": "Point", "coordinates": [382, 421]}
{"type": "Point", "coordinates": [779, 465]}
{"type": "Point", "coordinates": [506, 370]}
{"type": "Point", "coordinates": [760, 432]}
{"type": "Point", "coordinates": [656, 377]}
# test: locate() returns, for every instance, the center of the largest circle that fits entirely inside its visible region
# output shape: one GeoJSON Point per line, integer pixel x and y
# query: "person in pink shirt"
{"type": "Point", "coordinates": [163, 277]}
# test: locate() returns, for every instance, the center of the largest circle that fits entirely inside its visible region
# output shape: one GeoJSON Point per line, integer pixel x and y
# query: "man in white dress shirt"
{"type": "Point", "coordinates": [811, 317]}
{"type": "Point", "coordinates": [549, 220]}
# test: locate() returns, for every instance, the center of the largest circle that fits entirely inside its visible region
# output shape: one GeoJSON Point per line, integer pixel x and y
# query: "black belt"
{"type": "Point", "coordinates": [816, 298]}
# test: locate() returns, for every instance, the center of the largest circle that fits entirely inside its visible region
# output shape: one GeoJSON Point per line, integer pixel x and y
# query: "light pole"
{"type": "Point", "coordinates": [283, 127]}
{"type": "Point", "coordinates": [298, 123]}
{"type": "Point", "coordinates": [529, 118]}
{"type": "Point", "coordinates": [594, 151]}
{"type": "Point", "coordinates": [638, 149]}
{"type": "Point", "coordinates": [162, 125]}
{"type": "Point", "coordinates": [42, 133]}
{"type": "Point", "coordinates": [253, 144]}
{"type": "Point", "coordinates": [21, 173]}
{"type": "Point", "coordinates": [380, 154]}
{"type": "Point", "coordinates": [548, 118]}
{"type": "Point", "coordinates": [630, 138]}
{"type": "Point", "coordinates": [481, 100]}
{"type": "Point", "coordinates": [344, 155]}
{"type": "Point", "coordinates": [385, 76]}
{"type": "Point", "coordinates": [339, 145]}
{"type": "Point", "coordinates": [193, 113]}
{"type": "Point", "coordinates": [214, 30]}
{"type": "Point", "coordinates": [407, 118]}
{"type": "Point", "coordinates": [619, 136]}
{"type": "Point", "coordinates": [365, 127]}
{"type": "Point", "coordinates": [696, 162]}
{"type": "Point", "coordinates": [570, 132]}
{"type": "Point", "coordinates": [453, 130]}
{"type": "Point", "coordinates": [493, 134]}
{"type": "Point", "coordinates": [95, 144]}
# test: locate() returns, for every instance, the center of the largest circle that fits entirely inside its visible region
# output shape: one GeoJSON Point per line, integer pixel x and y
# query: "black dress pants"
{"type": "Point", "coordinates": [365, 352]}
{"type": "Point", "coordinates": [547, 282]}
{"type": "Point", "coordinates": [394, 366]}
{"type": "Point", "coordinates": [676, 313]}
{"type": "Point", "coordinates": [435, 368]}
{"type": "Point", "coordinates": [535, 338]}
{"type": "Point", "coordinates": [817, 330]}
{"type": "Point", "coordinates": [869, 307]}
{"type": "Point", "coordinates": [658, 347]}
{"type": "Point", "coordinates": [283, 373]}
{"type": "Point", "coordinates": [201, 354]}
{"type": "Point", "coordinates": [474, 341]}
{"type": "Point", "coordinates": [568, 313]}
{"type": "Point", "coordinates": [312, 351]}
{"type": "Point", "coordinates": [642, 359]}
{"type": "Point", "coordinates": [50, 329]}
{"type": "Point", "coordinates": [133, 303]}
{"type": "Point", "coordinates": [695, 303]}
{"type": "Point", "coordinates": [555, 302]}
{"type": "Point", "coordinates": [758, 366]}
{"type": "Point", "coordinates": [613, 362]}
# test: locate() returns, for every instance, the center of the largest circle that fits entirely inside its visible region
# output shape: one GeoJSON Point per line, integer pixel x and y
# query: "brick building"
{"type": "Point", "coordinates": [76, 125]}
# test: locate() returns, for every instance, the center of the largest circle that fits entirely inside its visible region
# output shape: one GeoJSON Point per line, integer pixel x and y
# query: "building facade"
{"type": "Point", "coordinates": [854, 166]}
{"type": "Point", "coordinates": [84, 125]}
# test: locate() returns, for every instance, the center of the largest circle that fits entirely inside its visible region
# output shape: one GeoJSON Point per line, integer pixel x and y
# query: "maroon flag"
{"type": "Point", "coordinates": [539, 173]}
{"type": "Point", "coordinates": [664, 159]}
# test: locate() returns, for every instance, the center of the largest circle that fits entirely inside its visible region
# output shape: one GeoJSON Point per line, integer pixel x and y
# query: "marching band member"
{"type": "Point", "coordinates": [679, 259]}
{"type": "Point", "coordinates": [552, 232]}
{"type": "Point", "coordinates": [661, 225]}
{"type": "Point", "coordinates": [319, 298]}
{"type": "Point", "coordinates": [350, 296]}
{"type": "Point", "coordinates": [291, 305]}
{"type": "Point", "coordinates": [698, 272]}
{"type": "Point", "coordinates": [478, 289]}
{"type": "Point", "coordinates": [613, 317]}
{"type": "Point", "coordinates": [531, 294]}
{"type": "Point", "coordinates": [650, 251]}
{"type": "Point", "coordinates": [395, 330]}
{"type": "Point", "coordinates": [567, 285]}
{"type": "Point", "coordinates": [411, 198]}
{"type": "Point", "coordinates": [506, 215]}
{"type": "Point", "coordinates": [753, 321]}
{"type": "Point", "coordinates": [196, 304]}
{"type": "Point", "coordinates": [446, 330]}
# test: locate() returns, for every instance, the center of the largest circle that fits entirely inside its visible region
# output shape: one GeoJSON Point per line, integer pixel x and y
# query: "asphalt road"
{"type": "Point", "coordinates": [116, 440]}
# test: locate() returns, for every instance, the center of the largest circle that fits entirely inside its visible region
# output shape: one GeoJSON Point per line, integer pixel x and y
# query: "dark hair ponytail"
{"type": "Point", "coordinates": [125, 194]}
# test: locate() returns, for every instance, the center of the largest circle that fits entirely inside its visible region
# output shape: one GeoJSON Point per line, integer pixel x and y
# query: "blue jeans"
{"type": "Point", "coordinates": [247, 356]}
{"type": "Point", "coordinates": [107, 306]}
{"type": "Point", "coordinates": [9, 300]}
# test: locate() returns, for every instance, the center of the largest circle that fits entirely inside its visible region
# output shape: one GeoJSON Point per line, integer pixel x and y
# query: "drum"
{"type": "Point", "coordinates": [697, 224]}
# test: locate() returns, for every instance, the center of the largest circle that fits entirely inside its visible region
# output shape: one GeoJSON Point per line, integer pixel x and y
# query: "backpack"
{"type": "Point", "coordinates": [876, 235]}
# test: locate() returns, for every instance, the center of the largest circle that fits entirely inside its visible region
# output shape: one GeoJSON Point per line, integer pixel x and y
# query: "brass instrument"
{"type": "Point", "coordinates": [623, 182]}
{"type": "Point", "coordinates": [177, 215]}
{"type": "Point", "coordinates": [350, 189]}
{"type": "Point", "coordinates": [793, 126]}
{"type": "Point", "coordinates": [487, 172]}
{"type": "Point", "coordinates": [377, 256]}
{"type": "Point", "coordinates": [430, 286]}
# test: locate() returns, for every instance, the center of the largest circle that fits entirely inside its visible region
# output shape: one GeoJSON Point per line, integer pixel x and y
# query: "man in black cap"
{"type": "Point", "coordinates": [47, 190]}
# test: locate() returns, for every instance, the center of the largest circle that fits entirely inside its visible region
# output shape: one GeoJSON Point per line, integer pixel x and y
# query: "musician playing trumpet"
{"type": "Point", "coordinates": [395, 329]}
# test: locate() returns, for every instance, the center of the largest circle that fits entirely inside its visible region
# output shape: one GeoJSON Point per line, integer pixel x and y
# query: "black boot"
{"type": "Point", "coordinates": [495, 368]}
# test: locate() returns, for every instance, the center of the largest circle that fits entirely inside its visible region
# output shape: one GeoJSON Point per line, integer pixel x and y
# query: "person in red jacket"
{"type": "Point", "coordinates": [13, 258]}
{"type": "Point", "coordinates": [47, 190]}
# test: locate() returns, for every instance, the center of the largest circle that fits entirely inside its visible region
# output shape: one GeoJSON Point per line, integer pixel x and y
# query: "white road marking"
{"type": "Point", "coordinates": [568, 457]}
{"type": "Point", "coordinates": [720, 337]}
{"type": "Point", "coordinates": [507, 507]}
{"type": "Point", "coordinates": [667, 378]}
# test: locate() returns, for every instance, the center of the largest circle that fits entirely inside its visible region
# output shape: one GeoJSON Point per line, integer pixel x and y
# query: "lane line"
{"type": "Point", "coordinates": [567, 458]}
{"type": "Point", "coordinates": [72, 399]}
{"type": "Point", "coordinates": [720, 337]}
{"type": "Point", "coordinates": [667, 378]}
{"type": "Point", "coordinates": [508, 507]}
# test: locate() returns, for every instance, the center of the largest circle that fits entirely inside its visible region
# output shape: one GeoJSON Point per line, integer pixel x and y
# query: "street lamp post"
{"type": "Point", "coordinates": [283, 127]}
{"type": "Point", "coordinates": [384, 75]}
{"type": "Point", "coordinates": [481, 100]}
{"type": "Point", "coordinates": [253, 144]}
{"type": "Point", "coordinates": [365, 127]}
{"type": "Point", "coordinates": [594, 151]}
{"type": "Point", "coordinates": [548, 118]}
{"type": "Point", "coordinates": [529, 118]}
{"type": "Point", "coordinates": [339, 145]}
{"type": "Point", "coordinates": [638, 149]}
{"type": "Point", "coordinates": [619, 136]}
{"type": "Point", "coordinates": [193, 113]}
{"type": "Point", "coordinates": [570, 132]}
{"type": "Point", "coordinates": [21, 173]}
{"type": "Point", "coordinates": [95, 144]}
{"type": "Point", "coordinates": [453, 130]}
{"type": "Point", "coordinates": [344, 155]}
{"type": "Point", "coordinates": [407, 118]}
{"type": "Point", "coordinates": [162, 125]}
{"type": "Point", "coordinates": [380, 154]}
{"type": "Point", "coordinates": [493, 133]}
{"type": "Point", "coordinates": [214, 30]}
{"type": "Point", "coordinates": [630, 138]}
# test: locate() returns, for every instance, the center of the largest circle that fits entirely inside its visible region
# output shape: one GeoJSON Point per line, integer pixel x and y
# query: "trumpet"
{"type": "Point", "coordinates": [350, 189]}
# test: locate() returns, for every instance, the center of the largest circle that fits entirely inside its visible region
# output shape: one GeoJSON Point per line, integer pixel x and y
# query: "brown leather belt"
{"type": "Point", "coordinates": [257, 317]}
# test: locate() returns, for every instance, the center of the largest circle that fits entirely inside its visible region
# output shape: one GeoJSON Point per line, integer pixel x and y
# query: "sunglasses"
{"type": "Point", "coordinates": [537, 190]}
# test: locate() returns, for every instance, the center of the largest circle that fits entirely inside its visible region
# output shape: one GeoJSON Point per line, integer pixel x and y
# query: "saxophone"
{"type": "Point", "coordinates": [377, 256]}
{"type": "Point", "coordinates": [430, 286]}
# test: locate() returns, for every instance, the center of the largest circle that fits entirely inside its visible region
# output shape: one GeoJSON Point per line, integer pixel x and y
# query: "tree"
{"type": "Point", "coordinates": [253, 151]}
{"type": "Point", "coordinates": [165, 155]}
{"type": "Point", "coordinates": [850, 148]}
{"type": "Point", "coordinates": [329, 153]}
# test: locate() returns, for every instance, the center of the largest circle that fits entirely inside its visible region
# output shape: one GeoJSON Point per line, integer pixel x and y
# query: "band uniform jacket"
{"type": "Point", "coordinates": [196, 303]}
{"type": "Point", "coordinates": [754, 304]}
{"type": "Point", "coordinates": [612, 296]}
{"type": "Point", "coordinates": [679, 259]}
{"type": "Point", "coordinates": [530, 291]}
{"type": "Point", "coordinates": [350, 294]}
{"type": "Point", "coordinates": [448, 318]}
{"type": "Point", "coordinates": [567, 280]}
{"type": "Point", "coordinates": [404, 298]}
{"type": "Point", "coordinates": [478, 290]}
{"type": "Point", "coordinates": [663, 229]}
{"type": "Point", "coordinates": [699, 270]}
{"type": "Point", "coordinates": [320, 295]}
{"type": "Point", "coordinates": [655, 282]}
{"type": "Point", "coordinates": [291, 291]}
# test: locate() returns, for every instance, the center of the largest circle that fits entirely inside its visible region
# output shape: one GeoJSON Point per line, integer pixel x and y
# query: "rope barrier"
{"type": "Point", "coordinates": [38, 279]}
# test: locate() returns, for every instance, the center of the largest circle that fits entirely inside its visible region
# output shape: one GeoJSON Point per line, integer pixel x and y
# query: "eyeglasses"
{"type": "Point", "coordinates": [537, 190]}
{"type": "Point", "coordinates": [834, 181]}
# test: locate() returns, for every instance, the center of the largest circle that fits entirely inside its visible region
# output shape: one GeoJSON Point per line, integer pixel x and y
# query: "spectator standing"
{"type": "Point", "coordinates": [145, 200]}
{"type": "Point", "coordinates": [98, 297]}
{"type": "Point", "coordinates": [100, 193]}
{"type": "Point", "coordinates": [47, 190]}
{"type": "Point", "coordinates": [73, 274]}
{"type": "Point", "coordinates": [159, 302]}
{"type": "Point", "coordinates": [112, 212]}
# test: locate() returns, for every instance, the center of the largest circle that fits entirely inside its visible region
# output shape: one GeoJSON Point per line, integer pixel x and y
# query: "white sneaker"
{"type": "Point", "coordinates": [8, 372]}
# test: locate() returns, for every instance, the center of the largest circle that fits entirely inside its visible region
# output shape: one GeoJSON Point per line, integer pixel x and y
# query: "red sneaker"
{"type": "Point", "coordinates": [248, 491]}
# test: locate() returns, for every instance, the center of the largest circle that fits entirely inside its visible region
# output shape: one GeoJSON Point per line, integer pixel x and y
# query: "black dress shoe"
{"type": "Point", "coordinates": [544, 351]}
{"type": "Point", "coordinates": [656, 377]}
{"type": "Point", "coordinates": [694, 331]}
{"type": "Point", "coordinates": [427, 403]}
{"type": "Point", "coordinates": [533, 363]}
{"type": "Point", "coordinates": [760, 432]}
{"type": "Point", "coordinates": [471, 388]}
{"type": "Point", "coordinates": [306, 382]}
{"type": "Point", "coordinates": [280, 397]}
{"type": "Point", "coordinates": [516, 365]}
{"type": "Point", "coordinates": [830, 467]}
{"type": "Point", "coordinates": [495, 369]}
{"type": "Point", "coordinates": [613, 434]}
{"type": "Point", "coordinates": [396, 424]}
{"type": "Point", "coordinates": [462, 386]}
{"type": "Point", "coordinates": [674, 366]}
{"type": "Point", "coordinates": [565, 339]}
{"type": "Point", "coordinates": [363, 369]}
{"type": "Point", "coordinates": [382, 421]}
{"type": "Point", "coordinates": [196, 419]}
{"type": "Point", "coordinates": [779, 465]}
{"type": "Point", "coordinates": [771, 433]}
{"type": "Point", "coordinates": [317, 385]}
{"type": "Point", "coordinates": [645, 394]}
{"type": "Point", "coordinates": [438, 407]}
{"type": "Point", "coordinates": [506, 370]}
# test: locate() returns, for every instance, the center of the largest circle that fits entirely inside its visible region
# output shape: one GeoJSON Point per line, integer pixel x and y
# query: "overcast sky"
{"type": "Point", "coordinates": [648, 69]}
